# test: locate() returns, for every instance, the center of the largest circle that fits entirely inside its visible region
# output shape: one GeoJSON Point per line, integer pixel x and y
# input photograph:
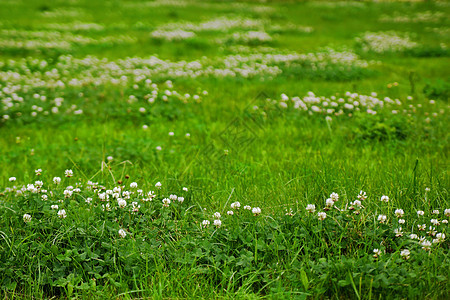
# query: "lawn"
{"type": "Point", "coordinates": [224, 149]}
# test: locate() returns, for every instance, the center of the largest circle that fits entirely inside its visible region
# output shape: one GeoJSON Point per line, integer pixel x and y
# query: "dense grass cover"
{"type": "Point", "coordinates": [203, 149]}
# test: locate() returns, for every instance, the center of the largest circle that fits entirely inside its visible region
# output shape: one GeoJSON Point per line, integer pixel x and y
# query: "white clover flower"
{"type": "Point", "coordinates": [329, 202]}
{"type": "Point", "coordinates": [133, 185]}
{"type": "Point", "coordinates": [173, 197]}
{"type": "Point", "coordinates": [311, 208]}
{"type": "Point", "coordinates": [180, 199]}
{"type": "Point", "coordinates": [151, 195]}
{"type": "Point", "coordinates": [205, 223]}
{"type": "Point", "coordinates": [11, 179]}
{"type": "Point", "coordinates": [38, 184]}
{"type": "Point", "coordinates": [435, 212]}
{"type": "Point", "coordinates": [382, 218]}
{"type": "Point", "coordinates": [435, 222]}
{"type": "Point", "coordinates": [440, 237]}
{"type": "Point", "coordinates": [420, 213]}
{"type": "Point", "coordinates": [216, 215]}
{"type": "Point", "coordinates": [145, 127]}
{"type": "Point", "coordinates": [427, 189]}
{"type": "Point", "coordinates": [55, 206]}
{"type": "Point", "coordinates": [77, 190]}
{"type": "Point", "coordinates": [385, 198]}
{"type": "Point", "coordinates": [421, 227]}
{"type": "Point", "coordinates": [106, 207]}
{"type": "Point", "coordinates": [356, 203]}
{"type": "Point", "coordinates": [110, 158]}
{"type": "Point", "coordinates": [398, 232]}
{"type": "Point", "coordinates": [413, 236]}
{"type": "Point", "coordinates": [362, 196]}
{"type": "Point", "coordinates": [185, 189]}
{"type": "Point", "coordinates": [171, 133]}
{"type": "Point", "coordinates": [426, 245]}
{"type": "Point", "coordinates": [88, 200]}
{"type": "Point", "coordinates": [38, 172]}
{"type": "Point", "coordinates": [122, 203]}
{"type": "Point", "coordinates": [230, 212]}
{"type": "Point", "coordinates": [432, 231]}
{"type": "Point", "coordinates": [158, 185]}
{"type": "Point", "coordinates": [44, 197]}
{"type": "Point", "coordinates": [117, 190]}
{"type": "Point", "coordinates": [135, 206]}
{"type": "Point", "coordinates": [235, 205]}
{"type": "Point", "coordinates": [68, 193]}
{"type": "Point", "coordinates": [247, 207]}
{"type": "Point", "coordinates": [405, 254]}
{"type": "Point", "coordinates": [447, 212]}
{"type": "Point", "coordinates": [62, 214]}
{"type": "Point", "coordinates": [56, 180]}
{"type": "Point", "coordinates": [399, 213]}
{"type": "Point", "coordinates": [187, 135]}
{"type": "Point", "coordinates": [26, 218]}
{"type": "Point", "coordinates": [321, 215]}
{"type": "Point", "coordinates": [68, 173]}
{"type": "Point", "coordinates": [122, 233]}
{"type": "Point", "coordinates": [158, 148]}
{"type": "Point", "coordinates": [126, 194]}
{"type": "Point", "coordinates": [334, 197]}
{"type": "Point", "coordinates": [256, 211]}
{"type": "Point", "coordinates": [217, 223]}
{"type": "Point", "coordinates": [401, 221]}
{"type": "Point", "coordinates": [377, 253]}
{"type": "Point", "coordinates": [444, 221]}
{"type": "Point", "coordinates": [166, 202]}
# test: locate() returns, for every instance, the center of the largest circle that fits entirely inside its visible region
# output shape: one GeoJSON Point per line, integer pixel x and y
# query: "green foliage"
{"type": "Point", "coordinates": [84, 85]}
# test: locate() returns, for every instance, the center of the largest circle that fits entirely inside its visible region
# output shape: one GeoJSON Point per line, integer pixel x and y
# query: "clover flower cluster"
{"type": "Point", "coordinates": [350, 103]}
{"type": "Point", "coordinates": [235, 209]}
{"type": "Point", "coordinates": [54, 197]}
{"type": "Point", "coordinates": [19, 96]}
{"type": "Point", "coordinates": [14, 39]}
{"type": "Point", "coordinates": [419, 17]}
{"type": "Point", "coordinates": [249, 37]}
{"type": "Point", "coordinates": [336, 105]}
{"type": "Point", "coordinates": [425, 235]}
{"type": "Point", "coordinates": [172, 35]}
{"type": "Point", "coordinates": [221, 24]}
{"type": "Point", "coordinates": [74, 26]}
{"type": "Point", "coordinates": [383, 42]}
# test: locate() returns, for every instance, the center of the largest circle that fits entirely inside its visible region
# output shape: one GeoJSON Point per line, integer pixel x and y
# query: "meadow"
{"type": "Point", "coordinates": [224, 149]}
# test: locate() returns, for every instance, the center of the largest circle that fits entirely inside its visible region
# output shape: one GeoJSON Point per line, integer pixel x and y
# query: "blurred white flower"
{"type": "Point", "coordinates": [235, 205]}
{"type": "Point", "coordinates": [405, 254]}
{"type": "Point", "coordinates": [256, 211]}
{"type": "Point", "coordinates": [382, 218]}
{"type": "Point", "coordinates": [68, 173]}
{"type": "Point", "coordinates": [62, 214]}
{"type": "Point", "coordinates": [158, 185]}
{"type": "Point", "coordinates": [122, 203]}
{"type": "Point", "coordinates": [216, 215]}
{"type": "Point", "coordinates": [26, 218]}
{"type": "Point", "coordinates": [376, 253]}
{"type": "Point", "coordinates": [217, 223]}
{"type": "Point", "coordinates": [122, 233]}
{"type": "Point", "coordinates": [420, 213]}
{"type": "Point", "coordinates": [321, 216]}
{"type": "Point", "coordinates": [11, 179]}
{"type": "Point", "coordinates": [399, 213]}
{"type": "Point", "coordinates": [133, 185]}
{"type": "Point", "coordinates": [230, 212]}
{"type": "Point", "coordinates": [384, 198]}
{"type": "Point", "coordinates": [166, 202]}
{"type": "Point", "coordinates": [311, 208]}
{"type": "Point", "coordinates": [205, 223]}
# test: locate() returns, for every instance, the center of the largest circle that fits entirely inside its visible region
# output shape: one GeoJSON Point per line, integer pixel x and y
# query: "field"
{"type": "Point", "coordinates": [224, 149]}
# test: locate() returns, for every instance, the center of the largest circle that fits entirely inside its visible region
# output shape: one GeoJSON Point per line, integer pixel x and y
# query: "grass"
{"type": "Point", "coordinates": [276, 157]}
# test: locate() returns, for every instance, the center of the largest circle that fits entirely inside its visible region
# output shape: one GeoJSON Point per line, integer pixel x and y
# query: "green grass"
{"type": "Point", "coordinates": [278, 159]}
